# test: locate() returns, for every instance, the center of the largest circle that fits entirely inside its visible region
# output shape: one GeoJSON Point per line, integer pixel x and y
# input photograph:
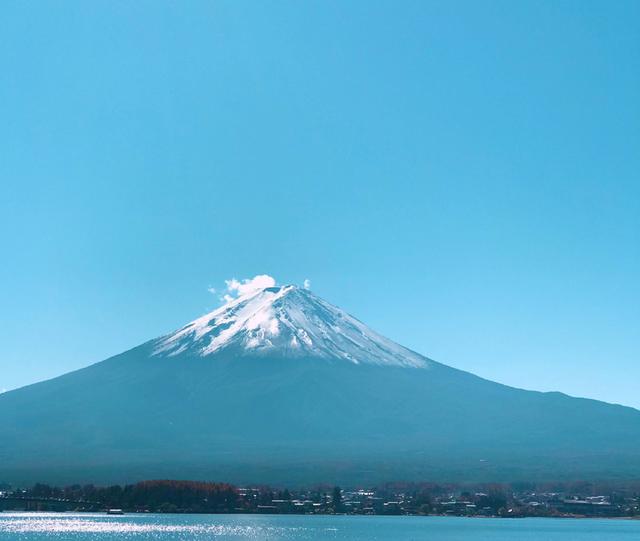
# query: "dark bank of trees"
{"type": "Point", "coordinates": [154, 496]}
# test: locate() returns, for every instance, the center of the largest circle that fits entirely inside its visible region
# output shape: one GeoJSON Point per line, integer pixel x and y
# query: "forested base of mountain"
{"type": "Point", "coordinates": [303, 421]}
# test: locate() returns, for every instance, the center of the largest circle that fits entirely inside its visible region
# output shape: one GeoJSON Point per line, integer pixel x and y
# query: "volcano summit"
{"type": "Point", "coordinates": [279, 386]}
{"type": "Point", "coordinates": [289, 322]}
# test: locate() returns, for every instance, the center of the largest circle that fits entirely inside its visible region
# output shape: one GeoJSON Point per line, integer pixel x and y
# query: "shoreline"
{"type": "Point", "coordinates": [148, 513]}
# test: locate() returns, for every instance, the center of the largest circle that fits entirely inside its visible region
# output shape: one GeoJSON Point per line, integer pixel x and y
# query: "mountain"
{"type": "Point", "coordinates": [279, 386]}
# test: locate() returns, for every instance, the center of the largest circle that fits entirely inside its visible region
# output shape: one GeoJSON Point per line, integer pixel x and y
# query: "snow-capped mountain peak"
{"type": "Point", "coordinates": [286, 321]}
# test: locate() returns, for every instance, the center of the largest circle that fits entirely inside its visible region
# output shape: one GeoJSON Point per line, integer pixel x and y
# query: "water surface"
{"type": "Point", "coordinates": [97, 527]}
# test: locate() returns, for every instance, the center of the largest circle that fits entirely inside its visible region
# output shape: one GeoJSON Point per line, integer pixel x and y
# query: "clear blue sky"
{"type": "Point", "coordinates": [462, 176]}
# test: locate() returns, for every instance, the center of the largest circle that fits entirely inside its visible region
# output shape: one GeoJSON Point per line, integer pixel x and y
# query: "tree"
{"type": "Point", "coordinates": [336, 499]}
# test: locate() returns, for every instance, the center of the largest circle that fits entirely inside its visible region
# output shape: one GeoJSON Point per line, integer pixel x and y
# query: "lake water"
{"type": "Point", "coordinates": [96, 527]}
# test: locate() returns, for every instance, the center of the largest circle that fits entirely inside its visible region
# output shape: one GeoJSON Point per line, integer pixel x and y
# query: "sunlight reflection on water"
{"type": "Point", "coordinates": [125, 526]}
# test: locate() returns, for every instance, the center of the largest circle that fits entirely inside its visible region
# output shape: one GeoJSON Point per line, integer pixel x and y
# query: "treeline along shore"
{"type": "Point", "coordinates": [578, 499]}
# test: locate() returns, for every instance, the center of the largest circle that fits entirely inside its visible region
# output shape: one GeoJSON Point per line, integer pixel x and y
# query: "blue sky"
{"type": "Point", "coordinates": [462, 176]}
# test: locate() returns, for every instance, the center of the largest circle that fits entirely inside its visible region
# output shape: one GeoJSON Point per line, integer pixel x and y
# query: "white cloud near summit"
{"type": "Point", "coordinates": [238, 288]}
{"type": "Point", "coordinates": [235, 288]}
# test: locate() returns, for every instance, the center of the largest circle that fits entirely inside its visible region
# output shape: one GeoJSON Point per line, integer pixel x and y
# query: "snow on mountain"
{"type": "Point", "coordinates": [286, 321]}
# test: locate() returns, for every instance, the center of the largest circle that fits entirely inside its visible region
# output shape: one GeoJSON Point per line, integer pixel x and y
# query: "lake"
{"type": "Point", "coordinates": [97, 527]}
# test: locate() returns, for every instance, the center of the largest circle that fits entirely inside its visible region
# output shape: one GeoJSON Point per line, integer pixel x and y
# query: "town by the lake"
{"type": "Point", "coordinates": [490, 500]}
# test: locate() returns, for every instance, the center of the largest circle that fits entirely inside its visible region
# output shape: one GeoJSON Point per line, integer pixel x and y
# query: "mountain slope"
{"type": "Point", "coordinates": [231, 396]}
